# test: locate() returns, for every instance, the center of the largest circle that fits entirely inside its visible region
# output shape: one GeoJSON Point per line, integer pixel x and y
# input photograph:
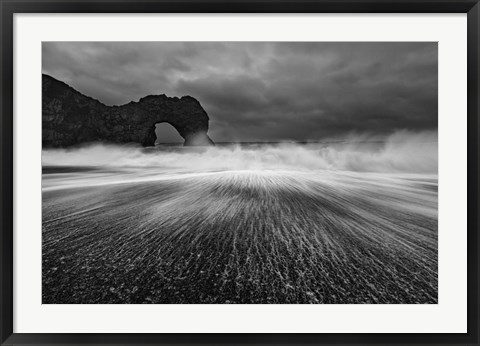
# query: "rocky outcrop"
{"type": "Point", "coordinates": [70, 118]}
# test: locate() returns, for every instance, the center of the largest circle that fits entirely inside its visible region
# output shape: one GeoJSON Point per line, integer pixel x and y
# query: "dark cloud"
{"type": "Point", "coordinates": [265, 90]}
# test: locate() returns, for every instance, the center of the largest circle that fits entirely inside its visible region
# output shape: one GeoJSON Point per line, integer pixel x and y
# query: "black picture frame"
{"type": "Point", "coordinates": [9, 7]}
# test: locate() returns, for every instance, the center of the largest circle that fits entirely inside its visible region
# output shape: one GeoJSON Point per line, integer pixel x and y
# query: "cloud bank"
{"type": "Point", "coordinates": [265, 91]}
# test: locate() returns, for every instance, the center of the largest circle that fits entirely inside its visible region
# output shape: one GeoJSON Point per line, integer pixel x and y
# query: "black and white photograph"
{"type": "Point", "coordinates": [239, 172]}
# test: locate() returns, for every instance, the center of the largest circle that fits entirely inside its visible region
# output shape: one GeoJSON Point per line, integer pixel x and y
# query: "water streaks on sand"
{"type": "Point", "coordinates": [239, 236]}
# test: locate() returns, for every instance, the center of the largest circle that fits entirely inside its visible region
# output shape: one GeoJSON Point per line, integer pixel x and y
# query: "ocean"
{"type": "Point", "coordinates": [334, 222]}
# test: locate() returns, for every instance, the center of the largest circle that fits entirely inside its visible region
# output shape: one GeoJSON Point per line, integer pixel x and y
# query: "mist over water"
{"type": "Point", "coordinates": [402, 152]}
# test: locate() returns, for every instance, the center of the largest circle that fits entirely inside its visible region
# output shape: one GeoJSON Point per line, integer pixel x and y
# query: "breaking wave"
{"type": "Point", "coordinates": [401, 152]}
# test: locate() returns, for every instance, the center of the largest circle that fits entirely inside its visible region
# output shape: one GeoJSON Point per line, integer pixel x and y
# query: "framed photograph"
{"type": "Point", "coordinates": [259, 172]}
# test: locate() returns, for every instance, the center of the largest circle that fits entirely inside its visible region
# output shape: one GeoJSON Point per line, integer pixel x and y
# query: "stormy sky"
{"type": "Point", "coordinates": [265, 91]}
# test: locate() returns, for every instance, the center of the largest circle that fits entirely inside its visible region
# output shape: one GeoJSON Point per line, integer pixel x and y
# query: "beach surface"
{"type": "Point", "coordinates": [168, 234]}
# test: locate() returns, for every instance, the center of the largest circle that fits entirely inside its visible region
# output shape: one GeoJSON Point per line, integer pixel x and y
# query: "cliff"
{"type": "Point", "coordinates": [70, 118]}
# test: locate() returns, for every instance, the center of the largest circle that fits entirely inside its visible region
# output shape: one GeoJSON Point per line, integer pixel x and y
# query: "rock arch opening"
{"type": "Point", "coordinates": [166, 133]}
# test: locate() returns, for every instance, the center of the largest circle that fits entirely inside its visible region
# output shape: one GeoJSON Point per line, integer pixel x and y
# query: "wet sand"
{"type": "Point", "coordinates": [140, 236]}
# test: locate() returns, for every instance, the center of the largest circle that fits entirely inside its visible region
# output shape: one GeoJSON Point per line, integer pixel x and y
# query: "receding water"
{"type": "Point", "coordinates": [350, 221]}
